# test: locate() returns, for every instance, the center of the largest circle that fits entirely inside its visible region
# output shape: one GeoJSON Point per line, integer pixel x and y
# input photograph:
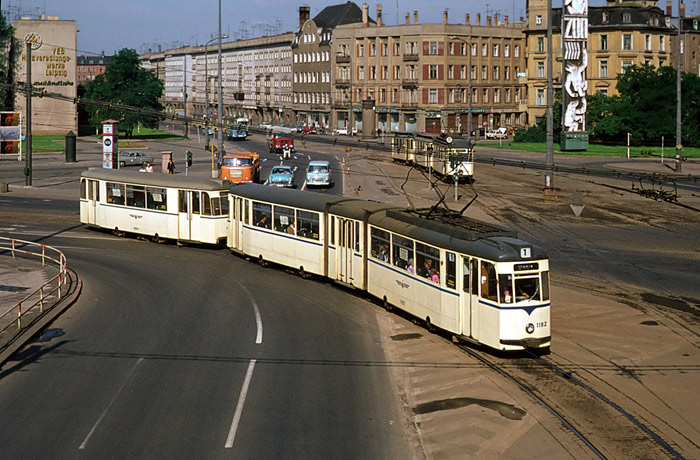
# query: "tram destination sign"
{"type": "Point", "coordinates": [524, 267]}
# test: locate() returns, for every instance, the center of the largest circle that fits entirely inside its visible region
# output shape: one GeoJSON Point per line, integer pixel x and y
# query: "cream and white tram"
{"type": "Point", "coordinates": [472, 279]}
{"type": "Point", "coordinates": [188, 209]}
{"type": "Point", "coordinates": [445, 155]}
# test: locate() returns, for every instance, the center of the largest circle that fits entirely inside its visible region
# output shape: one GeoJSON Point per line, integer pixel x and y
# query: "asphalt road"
{"type": "Point", "coordinates": [188, 352]}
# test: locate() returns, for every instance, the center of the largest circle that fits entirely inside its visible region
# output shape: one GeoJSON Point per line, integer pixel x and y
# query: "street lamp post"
{"type": "Point", "coordinates": [220, 134]}
{"type": "Point", "coordinates": [469, 89]}
{"type": "Point", "coordinates": [206, 89]}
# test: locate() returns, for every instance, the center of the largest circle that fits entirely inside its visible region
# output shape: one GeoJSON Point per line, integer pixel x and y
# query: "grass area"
{"type": "Point", "coordinates": [152, 134]}
{"type": "Point", "coordinates": [52, 144]}
{"type": "Point", "coordinates": [598, 150]}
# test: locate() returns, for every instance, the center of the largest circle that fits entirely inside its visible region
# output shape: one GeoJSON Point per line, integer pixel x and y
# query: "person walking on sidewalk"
{"type": "Point", "coordinates": [171, 165]}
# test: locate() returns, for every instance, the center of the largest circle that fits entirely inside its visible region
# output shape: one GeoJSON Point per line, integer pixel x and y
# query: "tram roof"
{"type": "Point", "coordinates": [157, 180]}
{"type": "Point", "coordinates": [456, 232]}
{"type": "Point", "coordinates": [286, 197]}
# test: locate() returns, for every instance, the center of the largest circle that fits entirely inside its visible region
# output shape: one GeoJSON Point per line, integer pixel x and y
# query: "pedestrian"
{"type": "Point", "coordinates": [171, 166]}
{"type": "Point", "coordinates": [149, 168]}
{"type": "Point", "coordinates": [142, 168]}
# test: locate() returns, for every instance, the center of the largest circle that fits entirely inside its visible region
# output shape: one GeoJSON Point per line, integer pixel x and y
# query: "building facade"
{"type": "Point", "coordinates": [89, 67]}
{"type": "Point", "coordinates": [53, 69]}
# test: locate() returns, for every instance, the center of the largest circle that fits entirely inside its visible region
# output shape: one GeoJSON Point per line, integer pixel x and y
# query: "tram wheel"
{"type": "Point", "coordinates": [302, 273]}
{"type": "Point", "coordinates": [387, 305]}
{"type": "Point", "coordinates": [118, 232]}
{"type": "Point", "coordinates": [428, 325]}
{"type": "Point", "coordinates": [157, 239]}
{"type": "Point", "coordinates": [262, 262]}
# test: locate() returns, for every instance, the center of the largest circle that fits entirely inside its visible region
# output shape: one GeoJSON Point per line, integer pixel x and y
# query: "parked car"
{"type": "Point", "coordinates": [308, 130]}
{"type": "Point", "coordinates": [500, 133]}
{"type": "Point", "coordinates": [264, 125]}
{"type": "Point", "coordinates": [281, 176]}
{"type": "Point", "coordinates": [134, 157]}
{"type": "Point", "coordinates": [296, 128]}
{"type": "Point", "coordinates": [318, 173]}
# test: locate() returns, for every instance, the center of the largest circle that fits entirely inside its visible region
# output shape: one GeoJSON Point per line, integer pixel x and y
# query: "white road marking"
{"type": "Point", "coordinates": [114, 398]}
{"type": "Point", "coordinates": [258, 318]}
{"type": "Point", "coordinates": [239, 406]}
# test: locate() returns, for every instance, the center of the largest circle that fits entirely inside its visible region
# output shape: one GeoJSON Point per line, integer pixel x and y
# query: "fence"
{"type": "Point", "coordinates": [50, 291]}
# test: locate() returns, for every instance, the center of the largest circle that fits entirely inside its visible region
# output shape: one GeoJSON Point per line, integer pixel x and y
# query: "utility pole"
{"type": "Point", "coordinates": [549, 157]}
{"type": "Point", "coordinates": [184, 92]}
{"type": "Point", "coordinates": [679, 140]}
{"type": "Point", "coordinates": [28, 167]}
{"type": "Point", "coordinates": [219, 115]}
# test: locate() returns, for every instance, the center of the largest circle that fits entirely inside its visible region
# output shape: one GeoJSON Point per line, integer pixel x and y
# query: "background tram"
{"type": "Point", "coordinates": [155, 205]}
{"type": "Point", "coordinates": [473, 279]}
{"type": "Point", "coordinates": [446, 155]}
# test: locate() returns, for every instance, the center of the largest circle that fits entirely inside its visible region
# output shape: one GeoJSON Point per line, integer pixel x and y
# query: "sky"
{"type": "Point", "coordinates": [110, 25]}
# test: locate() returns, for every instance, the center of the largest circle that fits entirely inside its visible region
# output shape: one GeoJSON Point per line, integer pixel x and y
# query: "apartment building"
{"type": "Point", "coordinates": [417, 76]}
{"type": "Point", "coordinates": [89, 67]}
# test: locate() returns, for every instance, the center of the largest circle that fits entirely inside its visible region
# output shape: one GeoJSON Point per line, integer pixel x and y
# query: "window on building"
{"type": "Point", "coordinates": [432, 72]}
{"type": "Point", "coordinates": [647, 42]}
{"type": "Point", "coordinates": [540, 44]}
{"type": "Point", "coordinates": [432, 96]}
{"type": "Point", "coordinates": [662, 43]}
{"type": "Point", "coordinates": [540, 69]}
{"type": "Point", "coordinates": [397, 72]}
{"type": "Point", "coordinates": [496, 95]}
{"type": "Point", "coordinates": [451, 96]}
{"type": "Point", "coordinates": [382, 95]}
{"type": "Point", "coordinates": [603, 91]}
{"type": "Point", "coordinates": [484, 50]}
{"type": "Point", "coordinates": [495, 50]}
{"type": "Point", "coordinates": [385, 72]}
{"type": "Point", "coordinates": [626, 17]}
{"type": "Point", "coordinates": [473, 49]}
{"type": "Point", "coordinates": [385, 49]}
{"type": "Point", "coordinates": [516, 51]}
{"type": "Point", "coordinates": [450, 72]}
{"type": "Point", "coordinates": [361, 72]}
{"type": "Point", "coordinates": [506, 50]}
{"type": "Point", "coordinates": [603, 69]}
{"type": "Point", "coordinates": [484, 72]}
{"type": "Point", "coordinates": [538, 20]}
{"type": "Point", "coordinates": [605, 18]}
{"type": "Point", "coordinates": [603, 42]}
{"type": "Point", "coordinates": [462, 72]}
{"type": "Point", "coordinates": [496, 72]}
{"type": "Point", "coordinates": [507, 94]}
{"type": "Point", "coordinates": [485, 95]}
{"type": "Point", "coordinates": [451, 48]}
{"type": "Point", "coordinates": [626, 63]}
{"type": "Point", "coordinates": [433, 48]}
{"type": "Point", "coordinates": [626, 42]}
{"type": "Point", "coordinates": [373, 72]}
{"type": "Point", "coordinates": [373, 49]}
{"type": "Point", "coordinates": [539, 98]}
{"type": "Point", "coordinates": [506, 73]}
{"type": "Point", "coordinates": [472, 72]}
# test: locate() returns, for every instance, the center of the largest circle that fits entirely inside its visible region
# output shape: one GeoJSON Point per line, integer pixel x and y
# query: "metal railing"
{"type": "Point", "coordinates": [44, 293]}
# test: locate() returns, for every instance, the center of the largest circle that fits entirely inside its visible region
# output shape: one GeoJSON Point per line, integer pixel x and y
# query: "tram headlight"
{"type": "Point", "coordinates": [530, 328]}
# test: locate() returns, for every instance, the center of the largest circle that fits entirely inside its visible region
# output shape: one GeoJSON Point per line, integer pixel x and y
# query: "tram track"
{"type": "Point", "coordinates": [605, 429]}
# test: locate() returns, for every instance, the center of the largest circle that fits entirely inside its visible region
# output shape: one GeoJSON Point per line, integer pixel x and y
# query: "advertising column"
{"type": "Point", "coordinates": [110, 150]}
{"type": "Point", "coordinates": [574, 64]}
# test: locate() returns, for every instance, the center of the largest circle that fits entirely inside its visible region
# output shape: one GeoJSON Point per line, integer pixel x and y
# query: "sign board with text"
{"type": "Point", "coordinates": [11, 133]}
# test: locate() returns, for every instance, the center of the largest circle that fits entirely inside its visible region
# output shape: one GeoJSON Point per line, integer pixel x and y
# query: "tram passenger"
{"type": "Point", "coordinates": [434, 277]}
{"type": "Point", "coordinates": [410, 268]}
{"type": "Point", "coordinates": [263, 222]}
{"type": "Point", "coordinates": [383, 253]}
{"type": "Point", "coordinates": [291, 229]}
{"type": "Point", "coordinates": [426, 268]}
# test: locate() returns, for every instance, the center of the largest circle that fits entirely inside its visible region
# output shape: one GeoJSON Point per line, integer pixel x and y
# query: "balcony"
{"type": "Point", "coordinates": [409, 105]}
{"type": "Point", "coordinates": [409, 83]}
{"type": "Point", "coordinates": [342, 59]}
{"type": "Point", "coordinates": [410, 57]}
{"type": "Point", "coordinates": [342, 83]}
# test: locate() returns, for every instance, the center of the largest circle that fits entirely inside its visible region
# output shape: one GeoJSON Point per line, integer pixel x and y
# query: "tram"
{"type": "Point", "coordinates": [472, 279]}
{"type": "Point", "coordinates": [449, 156]}
{"type": "Point", "coordinates": [158, 206]}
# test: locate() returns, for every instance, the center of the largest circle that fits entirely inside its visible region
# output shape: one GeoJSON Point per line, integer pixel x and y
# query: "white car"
{"type": "Point", "coordinates": [500, 133]}
{"type": "Point", "coordinates": [343, 131]}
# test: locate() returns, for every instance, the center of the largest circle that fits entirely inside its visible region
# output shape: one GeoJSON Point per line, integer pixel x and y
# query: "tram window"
{"type": "Point", "coordinates": [527, 288]}
{"type": "Point", "coordinates": [216, 206]}
{"type": "Point", "coordinates": [380, 244]}
{"type": "Point", "coordinates": [224, 207]}
{"type": "Point", "coordinates": [505, 287]}
{"type": "Point", "coordinates": [466, 271]}
{"type": "Point", "coordinates": [156, 198]}
{"type": "Point", "coordinates": [195, 202]}
{"type": "Point", "coordinates": [206, 204]}
{"type": "Point", "coordinates": [136, 196]}
{"type": "Point", "coordinates": [261, 210]}
{"type": "Point", "coordinates": [475, 276]}
{"type": "Point", "coordinates": [332, 232]}
{"type": "Point", "coordinates": [489, 283]}
{"type": "Point", "coordinates": [308, 224]}
{"type": "Point", "coordinates": [545, 285]}
{"type": "Point", "coordinates": [403, 252]}
{"type": "Point", "coordinates": [427, 260]}
{"type": "Point", "coordinates": [115, 193]}
{"type": "Point", "coordinates": [357, 237]}
{"type": "Point", "coordinates": [94, 190]}
{"type": "Point", "coordinates": [83, 189]}
{"type": "Point", "coordinates": [451, 270]}
{"type": "Point", "coordinates": [245, 205]}
{"type": "Point", "coordinates": [284, 217]}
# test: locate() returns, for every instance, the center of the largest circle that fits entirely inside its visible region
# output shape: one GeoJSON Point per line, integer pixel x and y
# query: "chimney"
{"type": "Point", "coordinates": [478, 19]}
{"type": "Point", "coordinates": [408, 18]}
{"type": "Point", "coordinates": [495, 19]}
{"type": "Point", "coordinates": [304, 15]}
{"type": "Point", "coordinates": [103, 53]}
{"type": "Point", "coordinates": [160, 49]}
{"type": "Point", "coordinates": [466, 19]}
{"type": "Point", "coordinates": [365, 14]}
{"type": "Point", "coordinates": [682, 10]}
{"type": "Point", "coordinates": [488, 21]}
{"type": "Point", "coordinates": [505, 20]}
{"type": "Point", "coordinates": [379, 14]}
{"type": "Point", "coordinates": [669, 8]}
{"type": "Point", "coordinates": [444, 17]}
{"type": "Point", "coordinates": [415, 17]}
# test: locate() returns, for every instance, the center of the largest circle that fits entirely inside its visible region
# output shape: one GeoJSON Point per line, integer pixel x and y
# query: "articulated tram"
{"type": "Point", "coordinates": [158, 206]}
{"type": "Point", "coordinates": [446, 155]}
{"type": "Point", "coordinates": [473, 279]}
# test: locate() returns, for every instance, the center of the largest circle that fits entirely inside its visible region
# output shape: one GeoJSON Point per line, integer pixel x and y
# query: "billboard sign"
{"type": "Point", "coordinates": [10, 133]}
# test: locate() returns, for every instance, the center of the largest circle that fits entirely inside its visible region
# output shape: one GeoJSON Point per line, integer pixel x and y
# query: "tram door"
{"type": "Point", "coordinates": [347, 243]}
{"type": "Point", "coordinates": [93, 197]}
{"type": "Point", "coordinates": [470, 294]}
{"type": "Point", "coordinates": [189, 215]}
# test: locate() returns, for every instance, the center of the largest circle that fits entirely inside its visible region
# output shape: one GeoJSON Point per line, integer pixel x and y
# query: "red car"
{"type": "Point", "coordinates": [308, 130]}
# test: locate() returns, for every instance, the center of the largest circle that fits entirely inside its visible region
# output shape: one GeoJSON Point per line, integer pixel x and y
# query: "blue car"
{"type": "Point", "coordinates": [281, 176]}
{"type": "Point", "coordinates": [318, 173]}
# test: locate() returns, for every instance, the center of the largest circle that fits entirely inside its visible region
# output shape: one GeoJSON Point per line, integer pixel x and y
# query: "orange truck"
{"type": "Point", "coordinates": [241, 167]}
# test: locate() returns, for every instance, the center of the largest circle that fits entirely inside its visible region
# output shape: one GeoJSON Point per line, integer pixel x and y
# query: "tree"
{"type": "Point", "coordinates": [126, 92]}
{"type": "Point", "coordinates": [8, 61]}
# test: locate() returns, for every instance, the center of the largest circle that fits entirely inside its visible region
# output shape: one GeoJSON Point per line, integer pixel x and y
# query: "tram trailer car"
{"type": "Point", "coordinates": [475, 280]}
{"type": "Point", "coordinates": [159, 206]}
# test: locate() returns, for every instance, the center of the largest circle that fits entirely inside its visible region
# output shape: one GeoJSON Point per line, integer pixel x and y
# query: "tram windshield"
{"type": "Point", "coordinates": [520, 289]}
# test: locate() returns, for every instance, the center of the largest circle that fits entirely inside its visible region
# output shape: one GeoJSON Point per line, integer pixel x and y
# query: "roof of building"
{"type": "Point", "coordinates": [336, 15]}
{"type": "Point", "coordinates": [94, 60]}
